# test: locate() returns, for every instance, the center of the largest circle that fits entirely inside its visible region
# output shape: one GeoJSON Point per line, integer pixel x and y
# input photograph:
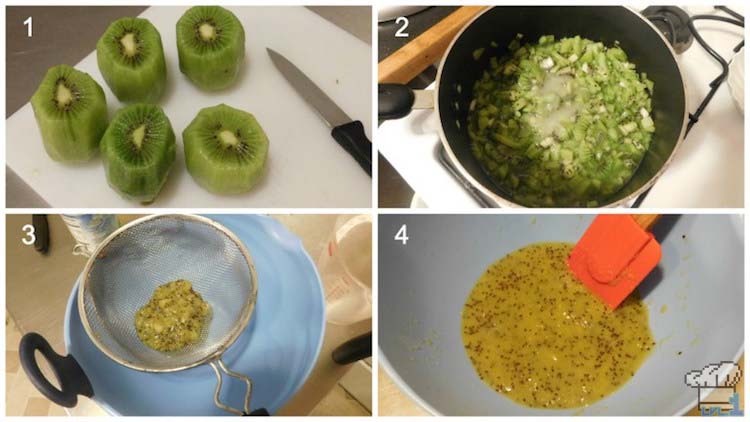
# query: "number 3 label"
{"type": "Point", "coordinates": [30, 237]}
{"type": "Point", "coordinates": [401, 235]}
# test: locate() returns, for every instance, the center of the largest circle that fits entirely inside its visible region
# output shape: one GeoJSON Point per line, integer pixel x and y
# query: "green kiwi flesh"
{"type": "Point", "coordinates": [138, 150]}
{"type": "Point", "coordinates": [210, 46]}
{"type": "Point", "coordinates": [131, 59]}
{"type": "Point", "coordinates": [225, 150]}
{"type": "Point", "coordinates": [71, 112]}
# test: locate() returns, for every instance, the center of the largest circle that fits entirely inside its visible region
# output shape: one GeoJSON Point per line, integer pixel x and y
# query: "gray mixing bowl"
{"type": "Point", "coordinates": [695, 298]}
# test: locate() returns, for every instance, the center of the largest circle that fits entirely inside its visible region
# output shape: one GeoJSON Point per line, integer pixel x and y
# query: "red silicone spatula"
{"type": "Point", "coordinates": [615, 254]}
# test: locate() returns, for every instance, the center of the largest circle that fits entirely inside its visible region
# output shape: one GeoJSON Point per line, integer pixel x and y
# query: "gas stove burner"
{"type": "Point", "coordinates": [672, 21]}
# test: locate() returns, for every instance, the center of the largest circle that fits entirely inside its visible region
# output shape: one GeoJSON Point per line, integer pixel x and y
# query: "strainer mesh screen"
{"type": "Point", "coordinates": [132, 265]}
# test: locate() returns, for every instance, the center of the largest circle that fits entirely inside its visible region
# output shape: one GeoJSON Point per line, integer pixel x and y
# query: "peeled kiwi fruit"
{"type": "Point", "coordinates": [225, 150]}
{"type": "Point", "coordinates": [71, 112]}
{"type": "Point", "coordinates": [131, 59]}
{"type": "Point", "coordinates": [138, 150]}
{"type": "Point", "coordinates": [210, 46]}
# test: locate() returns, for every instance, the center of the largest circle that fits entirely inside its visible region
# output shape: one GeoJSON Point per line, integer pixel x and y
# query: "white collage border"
{"type": "Point", "coordinates": [374, 210]}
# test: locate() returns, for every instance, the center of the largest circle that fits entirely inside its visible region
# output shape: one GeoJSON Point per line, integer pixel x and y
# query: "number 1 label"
{"type": "Point", "coordinates": [29, 25]}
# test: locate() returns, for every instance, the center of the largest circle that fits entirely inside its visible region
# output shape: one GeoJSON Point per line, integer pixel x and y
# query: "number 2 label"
{"type": "Point", "coordinates": [404, 23]}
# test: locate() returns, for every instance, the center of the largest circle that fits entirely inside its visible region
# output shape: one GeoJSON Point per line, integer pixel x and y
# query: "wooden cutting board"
{"type": "Point", "coordinates": [410, 60]}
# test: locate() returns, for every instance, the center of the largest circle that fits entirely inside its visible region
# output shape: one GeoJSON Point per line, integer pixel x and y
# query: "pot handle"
{"type": "Point", "coordinates": [73, 381]}
{"type": "Point", "coordinates": [259, 412]}
{"type": "Point", "coordinates": [353, 350]}
{"type": "Point", "coordinates": [394, 101]}
{"type": "Point", "coordinates": [219, 368]}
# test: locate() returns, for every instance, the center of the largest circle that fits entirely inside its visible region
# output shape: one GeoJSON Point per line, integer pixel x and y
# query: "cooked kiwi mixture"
{"type": "Point", "coordinates": [71, 112]}
{"type": "Point", "coordinates": [225, 149]}
{"type": "Point", "coordinates": [560, 122]}
{"type": "Point", "coordinates": [175, 317]}
{"type": "Point", "coordinates": [535, 334]}
{"type": "Point", "coordinates": [131, 58]}
{"type": "Point", "coordinates": [210, 46]}
{"type": "Point", "coordinates": [138, 150]}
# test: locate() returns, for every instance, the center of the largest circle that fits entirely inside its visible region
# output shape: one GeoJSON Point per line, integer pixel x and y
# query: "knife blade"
{"type": "Point", "coordinates": [349, 133]}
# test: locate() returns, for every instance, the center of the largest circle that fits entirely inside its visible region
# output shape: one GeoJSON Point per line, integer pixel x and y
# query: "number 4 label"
{"type": "Point", "coordinates": [401, 235]}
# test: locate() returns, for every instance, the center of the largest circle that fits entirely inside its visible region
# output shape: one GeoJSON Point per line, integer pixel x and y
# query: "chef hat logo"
{"type": "Point", "coordinates": [722, 374]}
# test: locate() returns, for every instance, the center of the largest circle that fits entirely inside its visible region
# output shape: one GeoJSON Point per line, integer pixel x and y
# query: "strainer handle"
{"type": "Point", "coordinates": [73, 381]}
{"type": "Point", "coordinates": [219, 367]}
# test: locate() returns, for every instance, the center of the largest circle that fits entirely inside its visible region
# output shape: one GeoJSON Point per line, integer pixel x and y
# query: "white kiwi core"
{"type": "Point", "coordinates": [228, 138]}
{"type": "Point", "coordinates": [63, 95]}
{"type": "Point", "coordinates": [129, 44]}
{"type": "Point", "coordinates": [138, 135]}
{"type": "Point", "coordinates": [207, 31]}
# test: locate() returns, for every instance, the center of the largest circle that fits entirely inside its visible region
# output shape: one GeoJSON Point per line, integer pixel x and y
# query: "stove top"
{"type": "Point", "coordinates": [673, 22]}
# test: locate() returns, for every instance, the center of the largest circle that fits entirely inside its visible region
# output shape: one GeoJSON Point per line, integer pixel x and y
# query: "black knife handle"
{"type": "Point", "coordinates": [394, 101]}
{"type": "Point", "coordinates": [351, 136]}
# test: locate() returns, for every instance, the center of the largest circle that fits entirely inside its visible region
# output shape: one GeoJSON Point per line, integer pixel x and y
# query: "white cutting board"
{"type": "Point", "coordinates": [306, 167]}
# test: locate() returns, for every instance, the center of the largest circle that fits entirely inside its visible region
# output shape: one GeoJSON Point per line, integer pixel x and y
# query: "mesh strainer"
{"type": "Point", "coordinates": [123, 272]}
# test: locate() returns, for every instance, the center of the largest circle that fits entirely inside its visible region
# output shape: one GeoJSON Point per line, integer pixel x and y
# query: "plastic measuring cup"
{"type": "Point", "coordinates": [345, 266]}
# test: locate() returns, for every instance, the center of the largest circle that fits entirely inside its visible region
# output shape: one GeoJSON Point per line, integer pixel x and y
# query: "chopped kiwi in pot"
{"type": "Point", "coordinates": [131, 58]}
{"type": "Point", "coordinates": [210, 46]}
{"type": "Point", "coordinates": [71, 111]}
{"type": "Point", "coordinates": [561, 122]}
{"type": "Point", "coordinates": [225, 150]}
{"type": "Point", "coordinates": [138, 150]}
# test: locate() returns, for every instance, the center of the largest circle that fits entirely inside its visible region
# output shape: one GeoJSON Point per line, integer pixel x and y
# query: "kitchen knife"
{"type": "Point", "coordinates": [350, 134]}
